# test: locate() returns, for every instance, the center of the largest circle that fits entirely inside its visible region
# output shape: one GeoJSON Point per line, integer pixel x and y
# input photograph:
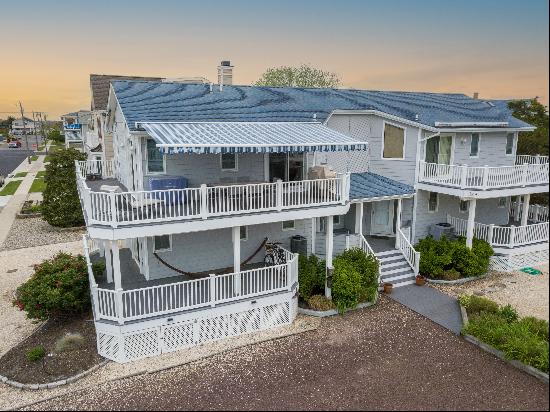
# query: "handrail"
{"type": "Point", "coordinates": [366, 247]}
{"type": "Point", "coordinates": [536, 213]}
{"type": "Point", "coordinates": [530, 159]}
{"type": "Point", "coordinates": [484, 177]}
{"type": "Point", "coordinates": [503, 236]}
{"type": "Point", "coordinates": [411, 255]}
{"type": "Point", "coordinates": [146, 206]}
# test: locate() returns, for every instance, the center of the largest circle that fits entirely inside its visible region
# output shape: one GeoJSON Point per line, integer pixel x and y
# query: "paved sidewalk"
{"type": "Point", "coordinates": [431, 303]}
{"type": "Point", "coordinates": [8, 213]}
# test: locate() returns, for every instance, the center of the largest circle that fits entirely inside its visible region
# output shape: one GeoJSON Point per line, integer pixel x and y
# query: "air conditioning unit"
{"type": "Point", "coordinates": [321, 172]}
{"type": "Point", "coordinates": [439, 230]}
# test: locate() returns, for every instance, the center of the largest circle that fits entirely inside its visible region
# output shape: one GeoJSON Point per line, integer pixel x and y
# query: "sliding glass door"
{"type": "Point", "coordinates": [285, 166]}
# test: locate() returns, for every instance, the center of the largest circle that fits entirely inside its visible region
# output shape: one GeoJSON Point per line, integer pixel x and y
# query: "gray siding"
{"type": "Point", "coordinates": [213, 249]}
{"type": "Point", "coordinates": [487, 211]}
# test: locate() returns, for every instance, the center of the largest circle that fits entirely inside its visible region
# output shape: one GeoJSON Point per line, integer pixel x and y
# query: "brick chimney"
{"type": "Point", "coordinates": [476, 95]}
{"type": "Point", "coordinates": [225, 73]}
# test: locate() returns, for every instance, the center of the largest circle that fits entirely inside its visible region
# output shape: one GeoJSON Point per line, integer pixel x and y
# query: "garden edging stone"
{"type": "Point", "coordinates": [333, 312]}
{"type": "Point", "coordinates": [454, 282]}
{"type": "Point", "coordinates": [51, 385]}
{"type": "Point", "coordinates": [499, 354]}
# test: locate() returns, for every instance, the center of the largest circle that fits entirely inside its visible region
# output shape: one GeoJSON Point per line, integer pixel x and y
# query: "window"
{"type": "Point", "coordinates": [463, 206]}
{"type": "Point", "coordinates": [474, 145]}
{"type": "Point", "coordinates": [394, 142]}
{"type": "Point", "coordinates": [244, 232]}
{"type": "Point", "coordinates": [509, 143]}
{"type": "Point", "coordinates": [289, 225]}
{"type": "Point", "coordinates": [229, 161]}
{"type": "Point", "coordinates": [433, 202]}
{"type": "Point", "coordinates": [163, 243]}
{"type": "Point", "coordinates": [501, 202]}
{"type": "Point", "coordinates": [336, 219]}
{"type": "Point", "coordinates": [155, 159]}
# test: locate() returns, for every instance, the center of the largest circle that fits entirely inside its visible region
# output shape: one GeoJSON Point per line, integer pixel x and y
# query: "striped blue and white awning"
{"type": "Point", "coordinates": [248, 137]}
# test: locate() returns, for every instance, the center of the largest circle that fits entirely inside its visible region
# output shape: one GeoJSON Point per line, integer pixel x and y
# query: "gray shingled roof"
{"type": "Point", "coordinates": [99, 86]}
{"type": "Point", "coordinates": [371, 185]}
{"type": "Point", "coordinates": [149, 101]}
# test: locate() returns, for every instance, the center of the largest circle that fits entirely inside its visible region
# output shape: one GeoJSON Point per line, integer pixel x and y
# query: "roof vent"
{"type": "Point", "coordinates": [416, 117]}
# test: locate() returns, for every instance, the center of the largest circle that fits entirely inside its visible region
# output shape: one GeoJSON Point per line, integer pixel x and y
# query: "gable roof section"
{"type": "Point", "coordinates": [99, 86]}
{"type": "Point", "coordinates": [177, 102]}
{"type": "Point", "coordinates": [364, 186]}
{"type": "Point", "coordinates": [252, 137]}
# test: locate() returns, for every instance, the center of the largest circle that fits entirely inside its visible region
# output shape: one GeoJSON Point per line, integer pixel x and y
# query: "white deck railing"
{"type": "Point", "coordinates": [536, 213]}
{"type": "Point", "coordinates": [484, 178]}
{"type": "Point", "coordinates": [116, 209]}
{"type": "Point", "coordinates": [364, 245]}
{"type": "Point", "coordinates": [128, 305]}
{"type": "Point", "coordinates": [537, 159]}
{"type": "Point", "coordinates": [503, 236]}
{"type": "Point", "coordinates": [411, 255]}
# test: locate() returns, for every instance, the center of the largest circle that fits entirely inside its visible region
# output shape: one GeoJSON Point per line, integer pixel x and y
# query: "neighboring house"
{"type": "Point", "coordinates": [22, 126]}
{"type": "Point", "coordinates": [202, 174]}
{"type": "Point", "coordinates": [74, 128]}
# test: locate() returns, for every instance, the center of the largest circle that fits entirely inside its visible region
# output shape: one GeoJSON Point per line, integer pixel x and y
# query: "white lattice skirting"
{"type": "Point", "coordinates": [510, 263]}
{"type": "Point", "coordinates": [152, 337]}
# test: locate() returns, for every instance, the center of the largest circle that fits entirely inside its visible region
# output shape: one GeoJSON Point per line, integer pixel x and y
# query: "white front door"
{"type": "Point", "coordinates": [382, 218]}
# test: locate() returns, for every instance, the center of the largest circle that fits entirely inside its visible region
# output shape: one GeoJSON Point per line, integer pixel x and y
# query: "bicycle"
{"type": "Point", "coordinates": [274, 255]}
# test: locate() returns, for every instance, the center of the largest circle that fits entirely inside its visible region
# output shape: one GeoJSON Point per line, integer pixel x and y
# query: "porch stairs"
{"type": "Point", "coordinates": [394, 268]}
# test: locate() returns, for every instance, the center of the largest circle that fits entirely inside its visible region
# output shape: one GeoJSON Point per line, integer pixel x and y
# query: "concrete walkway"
{"type": "Point", "coordinates": [10, 210]}
{"type": "Point", "coordinates": [431, 303]}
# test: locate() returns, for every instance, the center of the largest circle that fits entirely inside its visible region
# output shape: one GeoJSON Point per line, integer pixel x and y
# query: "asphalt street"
{"type": "Point", "coordinates": [11, 158]}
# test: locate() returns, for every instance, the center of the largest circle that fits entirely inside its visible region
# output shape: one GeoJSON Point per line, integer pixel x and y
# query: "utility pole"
{"type": "Point", "coordinates": [34, 127]}
{"type": "Point", "coordinates": [25, 132]}
{"type": "Point", "coordinates": [44, 138]}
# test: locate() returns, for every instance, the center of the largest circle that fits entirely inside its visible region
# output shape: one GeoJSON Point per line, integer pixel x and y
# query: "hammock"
{"type": "Point", "coordinates": [199, 274]}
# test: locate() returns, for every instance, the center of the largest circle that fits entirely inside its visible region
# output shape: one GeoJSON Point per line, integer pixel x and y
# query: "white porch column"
{"type": "Point", "coordinates": [236, 238]}
{"type": "Point", "coordinates": [313, 232]}
{"type": "Point", "coordinates": [359, 218]}
{"type": "Point", "coordinates": [525, 210]}
{"type": "Point", "coordinates": [118, 280]}
{"type": "Point", "coordinates": [328, 249]}
{"type": "Point", "coordinates": [471, 223]}
{"type": "Point", "coordinates": [398, 221]}
{"type": "Point", "coordinates": [518, 208]}
{"type": "Point", "coordinates": [108, 260]}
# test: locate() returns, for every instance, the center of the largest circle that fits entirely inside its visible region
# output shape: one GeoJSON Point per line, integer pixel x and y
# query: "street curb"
{"type": "Point", "coordinates": [499, 354]}
{"type": "Point", "coordinates": [50, 385]}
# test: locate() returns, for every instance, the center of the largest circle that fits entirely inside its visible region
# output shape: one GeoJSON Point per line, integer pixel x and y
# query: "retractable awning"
{"type": "Point", "coordinates": [248, 137]}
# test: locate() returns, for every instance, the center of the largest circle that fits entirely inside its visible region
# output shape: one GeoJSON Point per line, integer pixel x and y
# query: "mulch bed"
{"type": "Point", "coordinates": [54, 366]}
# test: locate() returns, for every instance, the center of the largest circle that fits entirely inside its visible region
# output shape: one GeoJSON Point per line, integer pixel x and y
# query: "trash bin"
{"type": "Point", "coordinates": [298, 244]}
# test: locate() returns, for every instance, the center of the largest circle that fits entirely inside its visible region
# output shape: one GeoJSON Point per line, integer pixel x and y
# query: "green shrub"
{"type": "Point", "coordinates": [537, 327]}
{"type": "Point", "coordinates": [36, 353]}
{"type": "Point", "coordinates": [320, 302]}
{"type": "Point", "coordinates": [441, 259]}
{"type": "Point", "coordinates": [477, 305]}
{"type": "Point", "coordinates": [516, 339]}
{"type": "Point", "coordinates": [355, 279]}
{"type": "Point", "coordinates": [508, 313]}
{"type": "Point", "coordinates": [69, 342]}
{"type": "Point", "coordinates": [58, 287]}
{"type": "Point", "coordinates": [61, 204]}
{"type": "Point", "coordinates": [311, 275]}
{"type": "Point", "coordinates": [56, 136]}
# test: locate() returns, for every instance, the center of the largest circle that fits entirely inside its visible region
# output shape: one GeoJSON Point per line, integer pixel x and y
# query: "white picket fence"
{"type": "Point", "coordinates": [127, 305]}
{"type": "Point", "coordinates": [117, 209]}
{"type": "Point", "coordinates": [411, 255]}
{"type": "Point", "coordinates": [485, 177]}
{"type": "Point", "coordinates": [503, 236]}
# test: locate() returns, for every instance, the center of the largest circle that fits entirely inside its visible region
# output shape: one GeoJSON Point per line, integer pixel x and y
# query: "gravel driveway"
{"type": "Point", "coordinates": [385, 357]}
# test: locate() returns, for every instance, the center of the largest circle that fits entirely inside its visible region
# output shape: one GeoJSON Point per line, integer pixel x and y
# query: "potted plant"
{"type": "Point", "coordinates": [388, 287]}
{"type": "Point", "coordinates": [420, 280]}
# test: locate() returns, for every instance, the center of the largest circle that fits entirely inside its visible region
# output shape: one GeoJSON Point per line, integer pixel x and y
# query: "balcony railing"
{"type": "Point", "coordinates": [485, 177]}
{"type": "Point", "coordinates": [117, 209]}
{"type": "Point", "coordinates": [536, 213]}
{"type": "Point", "coordinates": [503, 236]}
{"type": "Point", "coordinates": [128, 305]}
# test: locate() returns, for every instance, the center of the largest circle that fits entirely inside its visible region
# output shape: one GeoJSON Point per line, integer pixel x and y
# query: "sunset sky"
{"type": "Point", "coordinates": [498, 48]}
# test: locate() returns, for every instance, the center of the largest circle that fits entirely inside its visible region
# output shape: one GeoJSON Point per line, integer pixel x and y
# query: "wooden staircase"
{"type": "Point", "coordinates": [394, 268]}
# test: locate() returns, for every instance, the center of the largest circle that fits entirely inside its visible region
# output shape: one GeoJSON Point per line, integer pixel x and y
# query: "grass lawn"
{"type": "Point", "coordinates": [42, 173]}
{"type": "Point", "coordinates": [38, 185]}
{"type": "Point", "coordinates": [47, 159]}
{"type": "Point", "coordinates": [10, 188]}
{"type": "Point", "coordinates": [21, 174]}
{"type": "Point", "coordinates": [34, 158]}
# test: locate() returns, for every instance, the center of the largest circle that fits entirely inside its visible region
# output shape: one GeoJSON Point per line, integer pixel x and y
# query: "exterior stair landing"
{"type": "Point", "coordinates": [394, 268]}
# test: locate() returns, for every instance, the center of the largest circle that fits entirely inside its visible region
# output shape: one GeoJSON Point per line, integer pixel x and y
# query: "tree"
{"type": "Point", "coordinates": [536, 114]}
{"type": "Point", "coordinates": [61, 204]}
{"type": "Point", "coordinates": [303, 76]}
